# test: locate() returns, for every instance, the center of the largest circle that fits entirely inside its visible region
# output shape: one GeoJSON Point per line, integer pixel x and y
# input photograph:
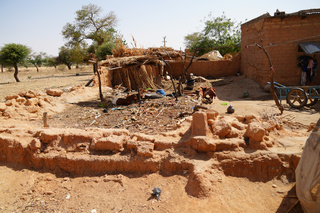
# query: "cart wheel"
{"type": "Point", "coordinates": [312, 101]}
{"type": "Point", "coordinates": [297, 98]}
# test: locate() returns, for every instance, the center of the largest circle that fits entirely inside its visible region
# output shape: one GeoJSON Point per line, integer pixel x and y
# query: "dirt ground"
{"type": "Point", "coordinates": [26, 190]}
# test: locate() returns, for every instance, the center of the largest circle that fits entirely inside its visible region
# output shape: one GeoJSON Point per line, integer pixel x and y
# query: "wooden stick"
{"type": "Point", "coordinates": [45, 119]}
{"type": "Point", "coordinates": [274, 95]}
{"type": "Point", "coordinates": [183, 76]}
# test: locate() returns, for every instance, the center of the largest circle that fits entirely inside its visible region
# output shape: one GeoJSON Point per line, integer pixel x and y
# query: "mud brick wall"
{"type": "Point", "coordinates": [213, 69]}
{"type": "Point", "coordinates": [274, 31]}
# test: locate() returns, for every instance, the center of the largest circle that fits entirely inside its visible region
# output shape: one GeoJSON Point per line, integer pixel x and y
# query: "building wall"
{"type": "Point", "coordinates": [281, 37]}
{"type": "Point", "coordinates": [213, 69]}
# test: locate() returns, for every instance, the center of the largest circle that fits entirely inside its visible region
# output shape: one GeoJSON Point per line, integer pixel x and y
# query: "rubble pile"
{"type": "Point", "coordinates": [29, 103]}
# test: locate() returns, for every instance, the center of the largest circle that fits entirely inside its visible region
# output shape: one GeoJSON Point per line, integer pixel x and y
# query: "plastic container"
{"type": "Point", "coordinates": [160, 92]}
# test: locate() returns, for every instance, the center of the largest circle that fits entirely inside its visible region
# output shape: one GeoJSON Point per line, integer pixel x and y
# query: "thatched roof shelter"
{"type": "Point", "coordinates": [142, 70]}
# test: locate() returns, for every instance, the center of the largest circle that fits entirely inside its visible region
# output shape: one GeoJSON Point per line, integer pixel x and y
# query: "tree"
{"type": "Point", "coordinates": [192, 40]}
{"type": "Point", "coordinates": [51, 62]}
{"type": "Point", "coordinates": [105, 49]}
{"type": "Point", "coordinates": [219, 33]}
{"type": "Point", "coordinates": [78, 53]}
{"type": "Point", "coordinates": [12, 54]}
{"type": "Point", "coordinates": [37, 59]}
{"type": "Point", "coordinates": [90, 25]}
{"type": "Point", "coordinates": [65, 56]}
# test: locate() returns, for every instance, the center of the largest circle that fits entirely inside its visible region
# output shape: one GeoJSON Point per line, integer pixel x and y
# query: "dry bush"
{"type": "Point", "coordinates": [61, 67]}
{"type": "Point", "coordinates": [268, 115]}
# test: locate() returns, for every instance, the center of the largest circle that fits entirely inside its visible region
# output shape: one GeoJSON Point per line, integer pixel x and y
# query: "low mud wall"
{"type": "Point", "coordinates": [237, 146]}
{"type": "Point", "coordinates": [207, 69]}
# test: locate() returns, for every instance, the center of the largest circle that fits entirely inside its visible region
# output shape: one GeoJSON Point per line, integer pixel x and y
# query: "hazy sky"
{"type": "Point", "coordinates": [38, 23]}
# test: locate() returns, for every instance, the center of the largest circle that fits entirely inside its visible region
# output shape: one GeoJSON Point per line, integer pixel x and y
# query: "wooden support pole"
{"type": "Point", "coordinates": [45, 120]}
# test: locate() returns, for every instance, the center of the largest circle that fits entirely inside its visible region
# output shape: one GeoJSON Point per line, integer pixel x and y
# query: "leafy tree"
{"type": "Point", "coordinates": [37, 59]}
{"type": "Point", "coordinates": [12, 54]}
{"type": "Point", "coordinates": [192, 40]}
{"type": "Point", "coordinates": [78, 53]}
{"type": "Point", "coordinates": [220, 33]}
{"type": "Point", "coordinates": [92, 48]}
{"type": "Point", "coordinates": [51, 61]}
{"type": "Point", "coordinates": [89, 24]}
{"type": "Point", "coordinates": [105, 49]}
{"type": "Point", "coordinates": [65, 56]}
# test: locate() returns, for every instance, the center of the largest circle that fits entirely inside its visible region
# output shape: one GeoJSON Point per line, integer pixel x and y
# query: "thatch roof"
{"type": "Point", "coordinates": [150, 56]}
{"type": "Point", "coordinates": [124, 62]}
{"type": "Point", "coordinates": [166, 53]}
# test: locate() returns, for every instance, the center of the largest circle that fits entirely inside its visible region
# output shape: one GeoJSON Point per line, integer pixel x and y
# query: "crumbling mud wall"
{"type": "Point", "coordinates": [280, 36]}
{"type": "Point", "coordinates": [209, 143]}
{"type": "Point", "coordinates": [213, 69]}
{"type": "Point", "coordinates": [106, 77]}
{"type": "Point", "coordinates": [31, 104]}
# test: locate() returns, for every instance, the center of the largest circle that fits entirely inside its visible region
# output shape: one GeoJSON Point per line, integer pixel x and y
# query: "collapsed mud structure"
{"type": "Point", "coordinates": [205, 144]}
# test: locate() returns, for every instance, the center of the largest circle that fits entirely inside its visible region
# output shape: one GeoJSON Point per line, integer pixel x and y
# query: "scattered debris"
{"type": "Point", "coordinates": [207, 94]}
{"type": "Point", "coordinates": [156, 192]}
{"type": "Point", "coordinates": [160, 92]}
{"type": "Point", "coordinates": [230, 109]}
{"type": "Point", "coordinates": [127, 100]}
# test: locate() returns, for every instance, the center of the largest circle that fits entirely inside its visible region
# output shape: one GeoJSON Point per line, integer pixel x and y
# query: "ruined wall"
{"type": "Point", "coordinates": [275, 33]}
{"type": "Point", "coordinates": [214, 69]}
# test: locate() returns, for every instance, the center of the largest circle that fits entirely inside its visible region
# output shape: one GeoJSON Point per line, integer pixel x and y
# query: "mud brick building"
{"type": "Point", "coordinates": [282, 35]}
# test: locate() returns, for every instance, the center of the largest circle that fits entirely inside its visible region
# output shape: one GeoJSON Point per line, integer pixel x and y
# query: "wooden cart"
{"type": "Point", "coordinates": [298, 96]}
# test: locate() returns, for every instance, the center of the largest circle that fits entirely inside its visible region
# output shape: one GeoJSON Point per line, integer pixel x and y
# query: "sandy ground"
{"type": "Point", "coordinates": [45, 78]}
{"type": "Point", "coordinates": [25, 190]}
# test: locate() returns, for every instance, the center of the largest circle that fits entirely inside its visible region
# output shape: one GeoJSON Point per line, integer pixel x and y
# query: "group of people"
{"type": "Point", "coordinates": [309, 66]}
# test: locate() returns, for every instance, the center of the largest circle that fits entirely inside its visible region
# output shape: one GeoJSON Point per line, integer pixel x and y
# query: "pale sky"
{"type": "Point", "coordinates": [38, 23]}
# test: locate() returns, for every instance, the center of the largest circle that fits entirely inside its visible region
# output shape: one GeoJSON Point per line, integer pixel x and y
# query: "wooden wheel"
{"type": "Point", "coordinates": [312, 101]}
{"type": "Point", "coordinates": [297, 98]}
